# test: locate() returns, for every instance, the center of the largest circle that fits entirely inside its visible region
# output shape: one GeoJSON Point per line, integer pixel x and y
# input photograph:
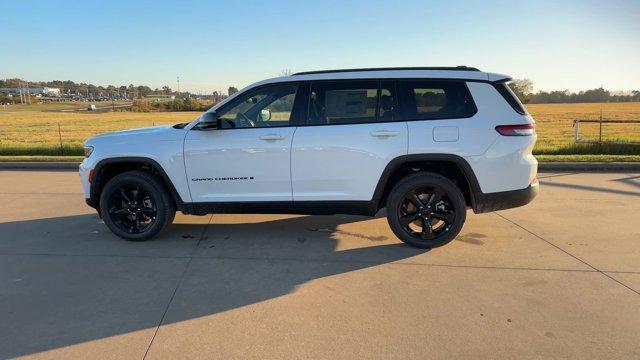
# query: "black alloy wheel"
{"type": "Point", "coordinates": [426, 213]}
{"type": "Point", "coordinates": [426, 210]}
{"type": "Point", "coordinates": [132, 209]}
{"type": "Point", "coordinates": [136, 205]}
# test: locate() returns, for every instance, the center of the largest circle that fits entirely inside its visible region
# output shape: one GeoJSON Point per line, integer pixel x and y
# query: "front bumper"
{"type": "Point", "coordinates": [91, 203]}
{"type": "Point", "coordinates": [505, 199]}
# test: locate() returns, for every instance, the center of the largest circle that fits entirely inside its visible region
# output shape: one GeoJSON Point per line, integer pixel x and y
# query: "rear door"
{"type": "Point", "coordinates": [248, 158]}
{"type": "Point", "coordinates": [348, 137]}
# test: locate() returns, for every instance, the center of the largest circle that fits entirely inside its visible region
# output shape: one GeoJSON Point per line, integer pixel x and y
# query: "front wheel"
{"type": "Point", "coordinates": [426, 210]}
{"type": "Point", "coordinates": [136, 206]}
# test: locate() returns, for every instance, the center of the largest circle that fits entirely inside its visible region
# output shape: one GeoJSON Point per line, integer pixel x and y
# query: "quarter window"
{"type": "Point", "coordinates": [432, 99]}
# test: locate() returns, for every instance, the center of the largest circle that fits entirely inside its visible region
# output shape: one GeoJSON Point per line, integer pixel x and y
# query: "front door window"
{"type": "Point", "coordinates": [265, 107]}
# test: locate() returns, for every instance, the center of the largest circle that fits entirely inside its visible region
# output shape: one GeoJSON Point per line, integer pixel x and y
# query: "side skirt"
{"type": "Point", "coordinates": [368, 208]}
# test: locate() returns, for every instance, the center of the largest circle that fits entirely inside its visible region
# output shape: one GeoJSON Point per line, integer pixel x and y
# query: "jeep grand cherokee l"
{"type": "Point", "coordinates": [424, 143]}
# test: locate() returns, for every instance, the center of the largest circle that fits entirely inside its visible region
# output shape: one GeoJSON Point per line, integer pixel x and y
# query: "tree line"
{"type": "Point", "coordinates": [71, 87]}
{"type": "Point", "coordinates": [523, 88]}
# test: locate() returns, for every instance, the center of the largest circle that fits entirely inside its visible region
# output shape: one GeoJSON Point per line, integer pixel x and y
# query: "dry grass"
{"type": "Point", "coordinates": [36, 132]}
{"type": "Point", "coordinates": [555, 123]}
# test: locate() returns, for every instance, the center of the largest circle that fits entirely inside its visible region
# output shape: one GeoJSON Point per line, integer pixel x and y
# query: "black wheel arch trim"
{"type": "Point", "coordinates": [93, 201]}
{"type": "Point", "coordinates": [394, 164]}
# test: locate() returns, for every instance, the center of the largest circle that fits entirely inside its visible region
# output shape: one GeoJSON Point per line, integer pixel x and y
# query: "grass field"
{"type": "Point", "coordinates": [27, 131]}
{"type": "Point", "coordinates": [36, 133]}
{"type": "Point", "coordinates": [555, 127]}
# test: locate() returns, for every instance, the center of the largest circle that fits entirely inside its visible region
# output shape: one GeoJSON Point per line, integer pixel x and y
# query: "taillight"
{"type": "Point", "coordinates": [516, 130]}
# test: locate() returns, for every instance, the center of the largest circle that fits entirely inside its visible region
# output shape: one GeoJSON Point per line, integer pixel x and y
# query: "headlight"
{"type": "Point", "coordinates": [87, 151]}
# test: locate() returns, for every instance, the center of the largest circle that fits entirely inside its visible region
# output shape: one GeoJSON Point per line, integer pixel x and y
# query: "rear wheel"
{"type": "Point", "coordinates": [136, 206]}
{"type": "Point", "coordinates": [426, 210]}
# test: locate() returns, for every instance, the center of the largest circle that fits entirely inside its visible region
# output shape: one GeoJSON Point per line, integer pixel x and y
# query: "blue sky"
{"type": "Point", "coordinates": [214, 44]}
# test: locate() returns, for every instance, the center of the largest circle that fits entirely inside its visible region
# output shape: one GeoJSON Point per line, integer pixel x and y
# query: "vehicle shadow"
{"type": "Point", "coordinates": [633, 180]}
{"type": "Point", "coordinates": [590, 188]}
{"type": "Point", "coordinates": [67, 281]}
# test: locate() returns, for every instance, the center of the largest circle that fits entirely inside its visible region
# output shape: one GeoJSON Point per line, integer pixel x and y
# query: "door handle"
{"type": "Point", "coordinates": [271, 137]}
{"type": "Point", "coordinates": [384, 133]}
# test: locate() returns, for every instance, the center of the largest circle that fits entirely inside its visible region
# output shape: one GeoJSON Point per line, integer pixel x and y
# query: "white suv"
{"type": "Point", "coordinates": [426, 143]}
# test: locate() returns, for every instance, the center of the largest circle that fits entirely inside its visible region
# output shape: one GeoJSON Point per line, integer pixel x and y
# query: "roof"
{"type": "Point", "coordinates": [456, 68]}
{"type": "Point", "coordinates": [460, 72]}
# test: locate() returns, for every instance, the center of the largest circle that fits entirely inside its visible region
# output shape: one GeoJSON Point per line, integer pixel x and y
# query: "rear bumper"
{"type": "Point", "coordinates": [487, 202]}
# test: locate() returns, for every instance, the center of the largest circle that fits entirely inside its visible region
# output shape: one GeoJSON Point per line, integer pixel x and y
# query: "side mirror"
{"type": "Point", "coordinates": [208, 121]}
{"type": "Point", "coordinates": [265, 115]}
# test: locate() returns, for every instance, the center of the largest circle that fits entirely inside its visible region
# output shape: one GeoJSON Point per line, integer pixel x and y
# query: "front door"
{"type": "Point", "coordinates": [248, 157]}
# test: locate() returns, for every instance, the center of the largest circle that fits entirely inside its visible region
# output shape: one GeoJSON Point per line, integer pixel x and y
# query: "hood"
{"type": "Point", "coordinates": [141, 135]}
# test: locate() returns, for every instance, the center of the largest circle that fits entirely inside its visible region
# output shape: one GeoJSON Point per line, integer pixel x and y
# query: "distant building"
{"type": "Point", "coordinates": [160, 97]}
{"type": "Point", "coordinates": [31, 90]}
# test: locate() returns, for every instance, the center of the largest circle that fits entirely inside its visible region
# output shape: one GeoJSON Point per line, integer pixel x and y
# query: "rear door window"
{"type": "Point", "coordinates": [435, 99]}
{"type": "Point", "coordinates": [387, 105]}
{"type": "Point", "coordinates": [343, 102]}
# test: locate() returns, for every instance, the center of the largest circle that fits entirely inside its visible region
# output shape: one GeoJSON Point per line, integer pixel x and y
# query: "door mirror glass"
{"type": "Point", "coordinates": [208, 121]}
{"type": "Point", "coordinates": [265, 115]}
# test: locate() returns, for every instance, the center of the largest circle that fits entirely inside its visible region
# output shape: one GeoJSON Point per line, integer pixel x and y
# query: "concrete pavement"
{"type": "Point", "coordinates": [559, 278]}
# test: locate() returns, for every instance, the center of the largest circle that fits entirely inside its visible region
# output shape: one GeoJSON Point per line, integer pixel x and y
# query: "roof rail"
{"type": "Point", "coordinates": [447, 68]}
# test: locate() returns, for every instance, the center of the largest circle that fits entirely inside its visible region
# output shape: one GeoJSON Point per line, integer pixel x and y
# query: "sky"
{"type": "Point", "coordinates": [211, 45]}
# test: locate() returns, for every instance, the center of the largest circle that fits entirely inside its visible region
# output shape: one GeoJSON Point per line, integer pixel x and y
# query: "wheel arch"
{"type": "Point", "coordinates": [451, 166]}
{"type": "Point", "coordinates": [106, 169]}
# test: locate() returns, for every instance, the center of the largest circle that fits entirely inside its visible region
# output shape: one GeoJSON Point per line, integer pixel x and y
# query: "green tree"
{"type": "Point", "coordinates": [232, 90]}
{"type": "Point", "coordinates": [522, 88]}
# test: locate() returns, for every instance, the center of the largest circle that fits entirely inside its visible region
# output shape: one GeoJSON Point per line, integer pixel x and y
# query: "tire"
{"type": "Point", "coordinates": [136, 205]}
{"type": "Point", "coordinates": [431, 218]}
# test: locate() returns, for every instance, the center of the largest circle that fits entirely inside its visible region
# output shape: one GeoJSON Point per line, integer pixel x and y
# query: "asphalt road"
{"type": "Point", "coordinates": [559, 278]}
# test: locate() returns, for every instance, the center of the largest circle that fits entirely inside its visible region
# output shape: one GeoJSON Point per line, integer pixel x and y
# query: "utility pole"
{"type": "Point", "coordinates": [28, 93]}
{"type": "Point", "coordinates": [178, 78]}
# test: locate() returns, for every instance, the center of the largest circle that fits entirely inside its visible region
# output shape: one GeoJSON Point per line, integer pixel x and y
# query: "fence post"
{"type": "Point", "coordinates": [60, 139]}
{"type": "Point", "coordinates": [600, 137]}
{"type": "Point", "coordinates": [576, 130]}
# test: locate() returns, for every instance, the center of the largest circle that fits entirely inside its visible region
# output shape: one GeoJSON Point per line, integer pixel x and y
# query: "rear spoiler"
{"type": "Point", "coordinates": [498, 78]}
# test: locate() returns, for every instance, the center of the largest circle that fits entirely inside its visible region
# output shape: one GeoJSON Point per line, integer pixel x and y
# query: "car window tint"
{"type": "Point", "coordinates": [433, 99]}
{"type": "Point", "coordinates": [387, 102]}
{"type": "Point", "coordinates": [265, 107]}
{"type": "Point", "coordinates": [343, 102]}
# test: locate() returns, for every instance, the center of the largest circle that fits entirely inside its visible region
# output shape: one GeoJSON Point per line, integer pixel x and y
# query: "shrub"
{"type": "Point", "coordinates": [142, 106]}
